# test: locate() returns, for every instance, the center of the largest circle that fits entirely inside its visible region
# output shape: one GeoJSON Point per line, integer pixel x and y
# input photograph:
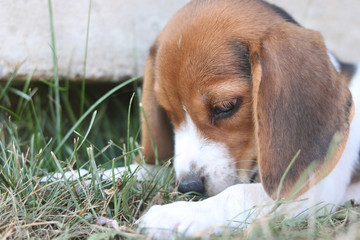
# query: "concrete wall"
{"type": "Point", "coordinates": [122, 31]}
{"type": "Point", "coordinates": [337, 20]}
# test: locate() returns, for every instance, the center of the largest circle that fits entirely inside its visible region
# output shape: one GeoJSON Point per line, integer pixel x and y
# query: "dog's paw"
{"type": "Point", "coordinates": [180, 219]}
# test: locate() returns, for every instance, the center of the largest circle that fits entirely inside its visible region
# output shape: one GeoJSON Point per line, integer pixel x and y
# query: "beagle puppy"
{"type": "Point", "coordinates": [237, 87]}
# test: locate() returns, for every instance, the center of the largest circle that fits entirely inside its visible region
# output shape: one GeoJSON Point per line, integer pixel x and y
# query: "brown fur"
{"type": "Point", "coordinates": [293, 100]}
{"type": "Point", "coordinates": [156, 128]}
{"type": "Point", "coordinates": [301, 105]}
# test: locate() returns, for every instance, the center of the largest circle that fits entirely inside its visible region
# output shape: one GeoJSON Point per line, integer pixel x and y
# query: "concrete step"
{"type": "Point", "coordinates": [122, 31]}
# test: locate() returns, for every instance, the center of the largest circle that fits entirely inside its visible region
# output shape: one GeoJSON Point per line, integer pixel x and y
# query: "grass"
{"type": "Point", "coordinates": [100, 138]}
{"type": "Point", "coordinates": [44, 129]}
{"type": "Point", "coordinates": [30, 208]}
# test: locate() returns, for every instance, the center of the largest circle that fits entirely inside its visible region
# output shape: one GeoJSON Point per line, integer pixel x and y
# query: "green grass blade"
{"type": "Point", "coordinates": [52, 85]}
{"type": "Point", "coordinates": [11, 112]}
{"type": "Point", "coordinates": [21, 94]}
{"type": "Point", "coordinates": [66, 99]}
{"type": "Point", "coordinates": [37, 125]}
{"type": "Point", "coordinates": [8, 82]}
{"type": "Point", "coordinates": [94, 170]}
{"type": "Point", "coordinates": [56, 77]}
{"type": "Point", "coordinates": [128, 123]}
{"type": "Point", "coordinates": [24, 90]}
{"type": "Point", "coordinates": [88, 131]}
{"type": "Point", "coordinates": [284, 175]}
{"type": "Point", "coordinates": [82, 99]}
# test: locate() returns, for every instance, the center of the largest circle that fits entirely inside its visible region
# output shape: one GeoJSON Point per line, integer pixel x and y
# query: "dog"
{"type": "Point", "coordinates": [235, 88]}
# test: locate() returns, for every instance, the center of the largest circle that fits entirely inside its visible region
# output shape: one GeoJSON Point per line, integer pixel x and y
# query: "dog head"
{"type": "Point", "coordinates": [240, 84]}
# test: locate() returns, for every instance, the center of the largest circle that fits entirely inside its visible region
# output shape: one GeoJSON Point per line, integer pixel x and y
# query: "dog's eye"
{"type": "Point", "coordinates": [225, 108]}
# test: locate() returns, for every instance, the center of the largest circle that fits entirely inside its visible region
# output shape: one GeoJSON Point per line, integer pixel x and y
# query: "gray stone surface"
{"type": "Point", "coordinates": [337, 20]}
{"type": "Point", "coordinates": [122, 31]}
{"type": "Point", "coordinates": [120, 35]}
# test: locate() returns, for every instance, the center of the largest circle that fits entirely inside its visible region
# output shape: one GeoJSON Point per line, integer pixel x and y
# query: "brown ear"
{"type": "Point", "coordinates": [157, 139]}
{"type": "Point", "coordinates": [300, 103]}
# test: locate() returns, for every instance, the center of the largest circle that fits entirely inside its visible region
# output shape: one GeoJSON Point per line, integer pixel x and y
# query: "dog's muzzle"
{"type": "Point", "coordinates": [192, 184]}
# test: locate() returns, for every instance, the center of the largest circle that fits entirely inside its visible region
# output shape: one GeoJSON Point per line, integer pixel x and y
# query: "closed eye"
{"type": "Point", "coordinates": [224, 109]}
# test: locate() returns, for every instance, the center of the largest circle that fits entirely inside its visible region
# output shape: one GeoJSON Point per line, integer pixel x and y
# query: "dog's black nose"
{"type": "Point", "coordinates": [192, 185]}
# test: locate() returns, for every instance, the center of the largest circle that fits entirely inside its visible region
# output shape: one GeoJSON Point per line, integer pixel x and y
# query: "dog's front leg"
{"type": "Point", "coordinates": [235, 206]}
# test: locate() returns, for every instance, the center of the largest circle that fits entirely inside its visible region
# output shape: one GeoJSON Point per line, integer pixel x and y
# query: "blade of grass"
{"type": "Point", "coordinates": [21, 94]}
{"type": "Point", "coordinates": [88, 131]}
{"type": "Point", "coordinates": [56, 77]}
{"type": "Point", "coordinates": [284, 175]}
{"type": "Point", "coordinates": [8, 82]}
{"type": "Point", "coordinates": [52, 85]}
{"type": "Point", "coordinates": [136, 67]}
{"type": "Point", "coordinates": [277, 201]}
{"type": "Point", "coordinates": [10, 112]}
{"type": "Point", "coordinates": [128, 125]}
{"type": "Point", "coordinates": [66, 99]}
{"type": "Point", "coordinates": [95, 179]}
{"type": "Point", "coordinates": [37, 125]}
{"type": "Point", "coordinates": [116, 208]}
{"type": "Point", "coordinates": [24, 90]}
{"type": "Point", "coordinates": [82, 99]}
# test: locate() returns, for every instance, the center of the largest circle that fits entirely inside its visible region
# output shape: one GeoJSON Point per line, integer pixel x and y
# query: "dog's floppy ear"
{"type": "Point", "coordinates": [157, 139]}
{"type": "Point", "coordinates": [300, 103]}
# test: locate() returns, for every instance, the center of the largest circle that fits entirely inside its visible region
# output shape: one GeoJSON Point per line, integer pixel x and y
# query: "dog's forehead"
{"type": "Point", "coordinates": [197, 65]}
{"type": "Point", "coordinates": [193, 73]}
{"type": "Point", "coordinates": [213, 19]}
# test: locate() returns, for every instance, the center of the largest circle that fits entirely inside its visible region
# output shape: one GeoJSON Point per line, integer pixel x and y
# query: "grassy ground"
{"type": "Point", "coordinates": [56, 126]}
{"type": "Point", "coordinates": [103, 136]}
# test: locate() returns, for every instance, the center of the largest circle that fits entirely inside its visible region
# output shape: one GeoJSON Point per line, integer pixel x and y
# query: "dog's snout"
{"type": "Point", "coordinates": [192, 185]}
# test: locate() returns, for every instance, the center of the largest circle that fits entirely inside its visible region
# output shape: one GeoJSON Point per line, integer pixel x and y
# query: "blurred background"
{"type": "Point", "coordinates": [120, 33]}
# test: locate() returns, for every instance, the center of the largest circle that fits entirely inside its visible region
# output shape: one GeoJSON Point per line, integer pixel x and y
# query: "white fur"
{"type": "Point", "coordinates": [353, 192]}
{"type": "Point", "coordinates": [334, 188]}
{"type": "Point", "coordinates": [241, 204]}
{"type": "Point", "coordinates": [235, 205]}
{"type": "Point", "coordinates": [143, 172]}
{"type": "Point", "coordinates": [354, 137]}
{"type": "Point", "coordinates": [334, 61]}
{"type": "Point", "coordinates": [198, 156]}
